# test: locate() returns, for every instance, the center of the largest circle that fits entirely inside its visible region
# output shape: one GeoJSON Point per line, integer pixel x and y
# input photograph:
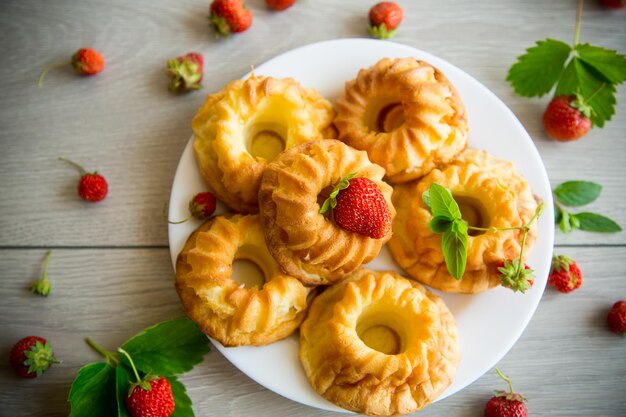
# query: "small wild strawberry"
{"type": "Point", "coordinates": [359, 207]}
{"type": "Point", "coordinates": [506, 403]}
{"type": "Point", "coordinates": [280, 4]}
{"type": "Point", "coordinates": [201, 206]}
{"type": "Point", "coordinates": [32, 356]}
{"type": "Point", "coordinates": [186, 72]}
{"type": "Point", "coordinates": [616, 319]}
{"type": "Point", "coordinates": [42, 285]}
{"type": "Point", "coordinates": [566, 118]}
{"type": "Point", "coordinates": [515, 277]}
{"type": "Point", "coordinates": [85, 61]}
{"type": "Point", "coordinates": [565, 275]}
{"type": "Point", "coordinates": [229, 16]}
{"type": "Point", "coordinates": [384, 18]}
{"type": "Point", "coordinates": [614, 4]}
{"type": "Point", "coordinates": [92, 186]}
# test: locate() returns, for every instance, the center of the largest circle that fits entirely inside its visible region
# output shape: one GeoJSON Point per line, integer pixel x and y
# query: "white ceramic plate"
{"type": "Point", "coordinates": [489, 323]}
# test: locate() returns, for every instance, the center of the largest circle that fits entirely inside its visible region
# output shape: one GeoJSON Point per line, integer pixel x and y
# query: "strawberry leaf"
{"type": "Point", "coordinates": [168, 348]}
{"type": "Point", "coordinates": [182, 401]}
{"type": "Point", "coordinates": [607, 62]}
{"type": "Point", "coordinates": [93, 391]}
{"type": "Point", "coordinates": [122, 382]}
{"type": "Point", "coordinates": [577, 193]}
{"type": "Point", "coordinates": [536, 72]}
{"type": "Point", "coordinates": [598, 94]}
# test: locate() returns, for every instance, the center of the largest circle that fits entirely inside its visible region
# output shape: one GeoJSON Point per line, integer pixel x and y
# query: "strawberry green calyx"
{"type": "Point", "coordinates": [561, 262]}
{"type": "Point", "coordinates": [185, 74]}
{"type": "Point", "coordinates": [144, 382]}
{"type": "Point", "coordinates": [582, 106]}
{"type": "Point", "coordinates": [331, 201]}
{"type": "Point", "coordinates": [220, 24]}
{"type": "Point", "coordinates": [42, 285]}
{"type": "Point", "coordinates": [39, 358]}
{"type": "Point", "coordinates": [515, 277]}
{"type": "Point", "coordinates": [381, 31]}
{"type": "Point", "coordinates": [510, 394]}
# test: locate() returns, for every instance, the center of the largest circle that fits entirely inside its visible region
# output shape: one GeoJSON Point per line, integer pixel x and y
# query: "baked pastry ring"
{"type": "Point", "coordinates": [406, 115]}
{"type": "Point", "coordinates": [245, 125]}
{"type": "Point", "coordinates": [309, 245]}
{"type": "Point", "coordinates": [224, 309]}
{"type": "Point", "coordinates": [490, 193]}
{"type": "Point", "coordinates": [379, 344]}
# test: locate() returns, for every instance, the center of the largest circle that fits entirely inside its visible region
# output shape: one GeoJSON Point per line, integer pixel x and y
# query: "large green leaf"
{"type": "Point", "coordinates": [607, 62]}
{"type": "Point", "coordinates": [93, 391]}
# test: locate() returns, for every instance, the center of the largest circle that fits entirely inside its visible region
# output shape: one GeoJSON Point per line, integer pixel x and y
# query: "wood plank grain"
{"type": "Point", "coordinates": [566, 361]}
{"type": "Point", "coordinates": [127, 125]}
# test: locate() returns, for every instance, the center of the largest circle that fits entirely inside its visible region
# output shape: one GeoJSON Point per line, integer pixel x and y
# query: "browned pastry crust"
{"type": "Point", "coordinates": [415, 331]}
{"type": "Point", "coordinates": [502, 199]}
{"type": "Point", "coordinates": [249, 121]}
{"type": "Point", "coordinates": [430, 126]}
{"type": "Point", "coordinates": [307, 244]}
{"type": "Point", "coordinates": [224, 309]}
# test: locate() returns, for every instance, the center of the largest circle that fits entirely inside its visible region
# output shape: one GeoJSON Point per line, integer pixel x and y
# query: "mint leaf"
{"type": "Point", "coordinates": [181, 399]}
{"type": "Point", "coordinates": [168, 348]}
{"type": "Point", "coordinates": [454, 248]}
{"type": "Point", "coordinates": [607, 62]}
{"type": "Point", "coordinates": [93, 391]}
{"type": "Point", "coordinates": [442, 203]}
{"type": "Point", "coordinates": [122, 383]}
{"type": "Point", "coordinates": [426, 199]}
{"type": "Point", "coordinates": [592, 222]}
{"type": "Point", "coordinates": [579, 78]}
{"type": "Point", "coordinates": [577, 193]}
{"type": "Point", "coordinates": [440, 224]}
{"type": "Point", "coordinates": [536, 72]}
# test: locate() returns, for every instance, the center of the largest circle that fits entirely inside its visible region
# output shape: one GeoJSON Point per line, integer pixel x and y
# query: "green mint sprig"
{"type": "Point", "coordinates": [165, 349]}
{"type": "Point", "coordinates": [448, 221]}
{"type": "Point", "coordinates": [576, 194]}
{"type": "Point", "coordinates": [586, 71]}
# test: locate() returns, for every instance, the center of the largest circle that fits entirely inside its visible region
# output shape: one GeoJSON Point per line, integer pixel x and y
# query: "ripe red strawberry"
{"type": "Point", "coordinates": [280, 4]}
{"type": "Point", "coordinates": [516, 279]}
{"type": "Point", "coordinates": [186, 72]}
{"type": "Point", "coordinates": [229, 16]}
{"type": "Point", "coordinates": [565, 275]}
{"type": "Point", "coordinates": [566, 118]}
{"type": "Point", "coordinates": [359, 207]}
{"type": "Point", "coordinates": [616, 319]}
{"type": "Point", "coordinates": [614, 4]}
{"type": "Point", "coordinates": [384, 18]}
{"type": "Point", "coordinates": [156, 401]}
{"type": "Point", "coordinates": [201, 206]}
{"type": "Point", "coordinates": [92, 186]}
{"type": "Point", "coordinates": [88, 61]}
{"type": "Point", "coordinates": [31, 356]}
{"type": "Point", "coordinates": [506, 403]}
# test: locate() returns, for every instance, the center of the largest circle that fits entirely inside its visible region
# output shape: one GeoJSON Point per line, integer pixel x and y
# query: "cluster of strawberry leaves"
{"type": "Point", "coordinates": [588, 72]}
{"type": "Point", "coordinates": [168, 349]}
{"type": "Point", "coordinates": [576, 194]}
{"type": "Point", "coordinates": [448, 221]}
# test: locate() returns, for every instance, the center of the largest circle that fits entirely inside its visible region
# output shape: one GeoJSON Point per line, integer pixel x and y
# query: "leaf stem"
{"type": "Point", "coordinates": [579, 13]}
{"type": "Point", "coordinates": [109, 356]}
{"type": "Point", "coordinates": [132, 364]}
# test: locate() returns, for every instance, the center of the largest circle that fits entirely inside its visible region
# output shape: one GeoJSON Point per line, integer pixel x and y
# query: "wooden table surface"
{"type": "Point", "coordinates": [110, 263]}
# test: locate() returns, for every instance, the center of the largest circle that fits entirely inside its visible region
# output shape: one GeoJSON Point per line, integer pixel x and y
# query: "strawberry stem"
{"type": "Point", "coordinates": [132, 364]}
{"type": "Point", "coordinates": [42, 285]}
{"type": "Point", "coordinates": [110, 357]}
{"type": "Point", "coordinates": [579, 13]}
{"type": "Point", "coordinates": [80, 168]}
{"type": "Point", "coordinates": [48, 68]}
{"type": "Point", "coordinates": [508, 381]}
{"type": "Point", "coordinates": [164, 214]}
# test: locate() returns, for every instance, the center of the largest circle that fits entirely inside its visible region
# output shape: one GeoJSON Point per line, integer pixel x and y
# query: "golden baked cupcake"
{"type": "Point", "coordinates": [306, 243]}
{"type": "Point", "coordinates": [379, 344]}
{"type": "Point", "coordinates": [406, 115]}
{"type": "Point", "coordinates": [241, 128]}
{"type": "Point", "coordinates": [490, 194]}
{"type": "Point", "coordinates": [224, 309]}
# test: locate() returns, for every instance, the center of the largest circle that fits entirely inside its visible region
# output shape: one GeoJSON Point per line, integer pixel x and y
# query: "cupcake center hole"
{"type": "Point", "coordinates": [390, 117]}
{"type": "Point", "coordinates": [247, 273]}
{"type": "Point", "coordinates": [381, 338]}
{"type": "Point", "coordinates": [473, 212]}
{"type": "Point", "coordinates": [265, 140]}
